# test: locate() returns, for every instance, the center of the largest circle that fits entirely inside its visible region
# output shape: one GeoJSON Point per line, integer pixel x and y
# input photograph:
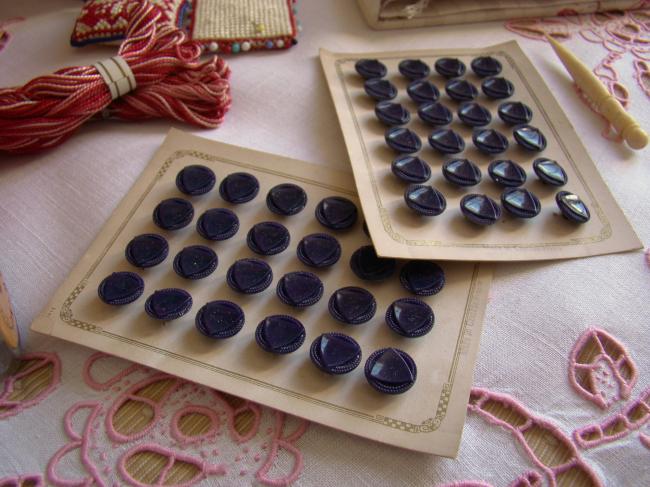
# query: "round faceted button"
{"type": "Point", "coordinates": [195, 180]}
{"type": "Point", "coordinates": [515, 113]}
{"type": "Point", "coordinates": [486, 66]}
{"type": "Point", "coordinates": [370, 68]}
{"type": "Point", "coordinates": [195, 262]}
{"type": "Point", "coordinates": [220, 319]}
{"type": "Point", "coordinates": [335, 353]}
{"type": "Point", "coordinates": [521, 203]}
{"type": "Point", "coordinates": [146, 250]}
{"type": "Point", "coordinates": [411, 169]}
{"type": "Point", "coordinates": [286, 199]}
{"type": "Point", "coordinates": [435, 114]}
{"type": "Point", "coordinates": [572, 207]}
{"type": "Point", "coordinates": [450, 67]}
{"type": "Point", "coordinates": [550, 172]}
{"type": "Point", "coordinates": [239, 187]}
{"type": "Point", "coordinates": [367, 265]}
{"type": "Point", "coordinates": [410, 317]}
{"type": "Point", "coordinates": [249, 276]}
{"type": "Point", "coordinates": [530, 138]}
{"type": "Point", "coordinates": [268, 238]}
{"type": "Point", "coordinates": [461, 172]}
{"type": "Point", "coordinates": [507, 173]}
{"type": "Point", "coordinates": [425, 200]}
{"type": "Point", "coordinates": [461, 90]}
{"type": "Point", "coordinates": [120, 288]}
{"type": "Point", "coordinates": [490, 141]}
{"type": "Point", "coordinates": [474, 114]}
{"type": "Point", "coordinates": [423, 91]}
{"type": "Point", "coordinates": [446, 141]}
{"type": "Point", "coordinates": [391, 371]}
{"type": "Point", "coordinates": [480, 209]}
{"type": "Point", "coordinates": [336, 213]}
{"type": "Point", "coordinates": [413, 69]}
{"type": "Point", "coordinates": [280, 334]}
{"type": "Point", "coordinates": [299, 289]}
{"type": "Point", "coordinates": [217, 224]}
{"type": "Point", "coordinates": [422, 277]}
{"type": "Point", "coordinates": [173, 213]}
{"type": "Point", "coordinates": [391, 113]}
{"type": "Point", "coordinates": [380, 89]}
{"type": "Point", "coordinates": [352, 305]}
{"type": "Point", "coordinates": [403, 140]}
{"type": "Point", "coordinates": [319, 250]}
{"type": "Point", "coordinates": [168, 304]}
{"type": "Point", "coordinates": [498, 88]}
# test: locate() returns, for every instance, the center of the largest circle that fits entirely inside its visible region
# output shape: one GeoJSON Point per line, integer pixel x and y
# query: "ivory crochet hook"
{"type": "Point", "coordinates": [605, 103]}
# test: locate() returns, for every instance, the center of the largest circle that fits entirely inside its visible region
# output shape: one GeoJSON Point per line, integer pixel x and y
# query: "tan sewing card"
{"type": "Point", "coordinates": [428, 418]}
{"type": "Point", "coordinates": [398, 231]}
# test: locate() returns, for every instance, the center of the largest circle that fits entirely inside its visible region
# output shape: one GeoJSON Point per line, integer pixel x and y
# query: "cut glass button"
{"type": "Point", "coordinates": [507, 173]}
{"type": "Point", "coordinates": [550, 172]}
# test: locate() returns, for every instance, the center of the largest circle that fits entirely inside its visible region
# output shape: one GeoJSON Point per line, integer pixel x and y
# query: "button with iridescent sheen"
{"type": "Point", "coordinates": [195, 180]}
{"type": "Point", "coordinates": [411, 169]}
{"type": "Point", "coordinates": [486, 66]}
{"type": "Point", "coordinates": [413, 69]}
{"type": "Point", "coordinates": [572, 207]}
{"type": "Point", "coordinates": [520, 202]}
{"type": "Point", "coordinates": [391, 371]}
{"type": "Point", "coordinates": [173, 213]}
{"type": "Point", "coordinates": [299, 289]}
{"type": "Point", "coordinates": [422, 91]}
{"type": "Point", "coordinates": [370, 68]}
{"type": "Point", "coordinates": [319, 250]}
{"type": "Point", "coordinates": [446, 141]}
{"type": "Point", "coordinates": [490, 141]}
{"type": "Point", "coordinates": [220, 319]}
{"type": "Point", "coordinates": [550, 172]}
{"type": "Point", "coordinates": [425, 200]}
{"type": "Point", "coordinates": [529, 137]}
{"type": "Point", "coordinates": [249, 276]}
{"type": "Point", "coordinates": [391, 113]}
{"type": "Point", "coordinates": [352, 305]}
{"type": "Point", "coordinates": [422, 277]}
{"type": "Point", "coordinates": [195, 262]}
{"type": "Point", "coordinates": [336, 213]}
{"type": "Point", "coordinates": [286, 199]}
{"type": "Point", "coordinates": [410, 317]}
{"type": "Point", "coordinates": [474, 114]}
{"type": "Point", "coordinates": [498, 88]}
{"type": "Point", "coordinates": [450, 67]}
{"type": "Point", "coordinates": [515, 112]}
{"type": "Point", "coordinates": [480, 209]}
{"type": "Point", "coordinates": [403, 140]}
{"type": "Point", "coordinates": [280, 334]}
{"type": "Point", "coordinates": [507, 173]}
{"type": "Point", "coordinates": [335, 353]}
{"type": "Point", "coordinates": [146, 250]}
{"type": "Point", "coordinates": [217, 224]}
{"type": "Point", "coordinates": [461, 172]}
{"type": "Point", "coordinates": [239, 187]}
{"type": "Point", "coordinates": [168, 304]}
{"type": "Point", "coordinates": [268, 238]}
{"type": "Point", "coordinates": [380, 89]}
{"type": "Point", "coordinates": [367, 265]}
{"type": "Point", "coordinates": [120, 288]}
{"type": "Point", "coordinates": [461, 90]}
{"type": "Point", "coordinates": [435, 114]}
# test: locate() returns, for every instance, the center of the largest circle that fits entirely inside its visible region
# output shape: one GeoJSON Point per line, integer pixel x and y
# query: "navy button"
{"type": "Point", "coordinates": [146, 250]}
{"type": "Point", "coordinates": [168, 304]}
{"type": "Point", "coordinates": [498, 88]}
{"type": "Point", "coordinates": [572, 207]}
{"type": "Point", "coordinates": [380, 89]}
{"type": "Point", "coordinates": [515, 113]}
{"type": "Point", "coordinates": [367, 265]}
{"type": "Point", "coordinates": [507, 173]}
{"type": "Point", "coordinates": [413, 69]}
{"type": "Point", "coordinates": [370, 68]}
{"type": "Point", "coordinates": [239, 187]}
{"type": "Point", "coordinates": [195, 180]}
{"type": "Point", "coordinates": [410, 317]}
{"type": "Point", "coordinates": [173, 213]}
{"type": "Point", "coordinates": [195, 262]}
{"type": "Point", "coordinates": [403, 140]}
{"type": "Point", "coordinates": [319, 250]}
{"type": "Point", "coordinates": [450, 67]}
{"type": "Point", "coordinates": [490, 141]}
{"type": "Point", "coordinates": [411, 169]}
{"type": "Point", "coordinates": [521, 203]}
{"type": "Point", "coordinates": [390, 371]}
{"type": "Point", "coordinates": [461, 90]}
{"type": "Point", "coordinates": [422, 277]}
{"type": "Point", "coordinates": [299, 289]}
{"type": "Point", "coordinates": [335, 353]}
{"type": "Point", "coordinates": [217, 224]}
{"type": "Point", "coordinates": [268, 238]}
{"type": "Point", "coordinates": [435, 114]}
{"type": "Point", "coordinates": [462, 172]}
{"type": "Point", "coordinates": [550, 172]}
{"type": "Point", "coordinates": [446, 141]}
{"type": "Point", "coordinates": [392, 113]}
{"type": "Point", "coordinates": [336, 212]}
{"type": "Point", "coordinates": [352, 305]}
{"type": "Point", "coordinates": [422, 91]}
{"type": "Point", "coordinates": [280, 334]}
{"type": "Point", "coordinates": [529, 137]}
{"type": "Point", "coordinates": [486, 66]}
{"type": "Point", "coordinates": [120, 288]}
{"type": "Point", "coordinates": [425, 200]}
{"type": "Point", "coordinates": [474, 114]}
{"type": "Point", "coordinates": [220, 319]}
{"type": "Point", "coordinates": [480, 209]}
{"type": "Point", "coordinates": [286, 199]}
{"type": "Point", "coordinates": [249, 276]}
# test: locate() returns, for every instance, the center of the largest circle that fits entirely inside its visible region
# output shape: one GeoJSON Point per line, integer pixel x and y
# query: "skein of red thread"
{"type": "Point", "coordinates": [172, 82]}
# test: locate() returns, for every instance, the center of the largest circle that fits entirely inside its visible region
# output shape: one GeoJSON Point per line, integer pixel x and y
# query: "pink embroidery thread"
{"type": "Point", "coordinates": [645, 440]}
{"type": "Point", "coordinates": [467, 483]}
{"type": "Point", "coordinates": [231, 415]}
{"type": "Point", "coordinates": [529, 479]}
{"type": "Point", "coordinates": [34, 480]}
{"type": "Point", "coordinates": [184, 439]}
{"type": "Point", "coordinates": [104, 386]}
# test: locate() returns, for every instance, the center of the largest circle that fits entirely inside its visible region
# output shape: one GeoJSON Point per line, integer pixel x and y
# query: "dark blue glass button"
{"type": "Point", "coordinates": [319, 250]}
{"type": "Point", "coordinates": [425, 200]}
{"type": "Point", "coordinates": [521, 203]}
{"type": "Point", "coordinates": [220, 319]}
{"type": "Point", "coordinates": [195, 262]}
{"type": "Point", "coordinates": [249, 276]}
{"type": "Point", "coordinates": [462, 172]}
{"type": "Point", "coordinates": [403, 140]}
{"type": "Point", "coordinates": [370, 68]}
{"type": "Point", "coordinates": [121, 288]}
{"type": "Point", "coordinates": [146, 250]}
{"type": "Point", "coordinates": [498, 88]}
{"type": "Point", "coordinates": [422, 91]}
{"type": "Point", "coordinates": [380, 89]}
{"type": "Point", "coordinates": [286, 199]}
{"type": "Point", "coordinates": [280, 334]}
{"type": "Point", "coordinates": [529, 137]}
{"type": "Point", "coordinates": [550, 172]}
{"type": "Point", "coordinates": [390, 371]}
{"type": "Point", "coordinates": [195, 180]}
{"type": "Point", "coordinates": [480, 209]}
{"type": "Point", "coordinates": [299, 289]}
{"type": "Point", "coordinates": [450, 67]}
{"type": "Point", "coordinates": [173, 213]}
{"type": "Point", "coordinates": [268, 238]}
{"type": "Point", "coordinates": [367, 265]}
{"type": "Point", "coordinates": [486, 66]}
{"type": "Point", "coordinates": [435, 114]}
{"type": "Point", "coordinates": [515, 113]}
{"type": "Point", "coordinates": [490, 141]}
{"type": "Point", "coordinates": [239, 187]}
{"type": "Point", "coordinates": [572, 207]}
{"type": "Point", "coordinates": [461, 90]}
{"type": "Point", "coordinates": [392, 113]}
{"type": "Point", "coordinates": [335, 353]}
{"type": "Point", "coordinates": [217, 224]}
{"type": "Point", "coordinates": [413, 69]}
{"type": "Point", "coordinates": [474, 114]}
{"type": "Point", "coordinates": [168, 304]}
{"type": "Point", "coordinates": [411, 169]}
{"type": "Point", "coordinates": [336, 212]}
{"type": "Point", "coordinates": [446, 141]}
{"type": "Point", "coordinates": [352, 305]}
{"type": "Point", "coordinates": [507, 173]}
{"type": "Point", "coordinates": [410, 317]}
{"type": "Point", "coordinates": [422, 277]}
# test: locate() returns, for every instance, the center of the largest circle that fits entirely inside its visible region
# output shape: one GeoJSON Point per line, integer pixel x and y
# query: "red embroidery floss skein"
{"type": "Point", "coordinates": [170, 81]}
